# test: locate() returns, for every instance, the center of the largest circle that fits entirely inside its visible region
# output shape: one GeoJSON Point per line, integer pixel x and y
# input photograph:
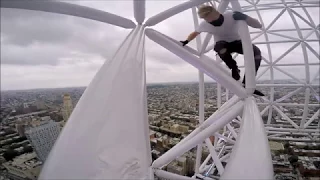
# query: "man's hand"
{"type": "Point", "coordinates": [184, 42]}
{"type": "Point", "coordinates": [239, 16]}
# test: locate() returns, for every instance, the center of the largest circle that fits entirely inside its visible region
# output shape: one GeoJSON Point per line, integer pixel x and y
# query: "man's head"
{"type": "Point", "coordinates": [207, 12]}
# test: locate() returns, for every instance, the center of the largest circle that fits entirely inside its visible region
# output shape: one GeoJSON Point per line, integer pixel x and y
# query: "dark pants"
{"type": "Point", "coordinates": [225, 49]}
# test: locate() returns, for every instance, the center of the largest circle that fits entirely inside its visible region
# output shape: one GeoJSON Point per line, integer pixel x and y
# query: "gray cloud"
{"type": "Point", "coordinates": [22, 27]}
{"type": "Point", "coordinates": [41, 49]}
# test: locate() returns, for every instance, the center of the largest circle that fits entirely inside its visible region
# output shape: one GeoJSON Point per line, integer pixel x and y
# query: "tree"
{"type": "Point", "coordinates": [27, 149]}
{"type": "Point", "coordinates": [316, 164]}
{"type": "Point", "coordinates": [293, 160]}
{"type": "Point", "coordinates": [10, 154]}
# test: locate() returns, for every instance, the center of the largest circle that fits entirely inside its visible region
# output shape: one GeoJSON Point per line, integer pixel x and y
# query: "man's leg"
{"type": "Point", "coordinates": [223, 50]}
{"type": "Point", "coordinates": [257, 59]}
{"type": "Point", "coordinates": [236, 46]}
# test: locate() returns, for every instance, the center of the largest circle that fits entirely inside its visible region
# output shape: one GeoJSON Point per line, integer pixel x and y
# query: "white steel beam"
{"type": "Point", "coordinates": [315, 116]}
{"type": "Point", "coordinates": [70, 9]}
{"type": "Point", "coordinates": [139, 9]}
{"type": "Point", "coordinates": [292, 130]}
{"type": "Point", "coordinates": [293, 139]}
{"type": "Point", "coordinates": [285, 117]}
{"type": "Point", "coordinates": [201, 93]}
{"type": "Point", "coordinates": [173, 11]}
{"type": "Point", "coordinates": [214, 156]}
{"type": "Point", "coordinates": [305, 109]}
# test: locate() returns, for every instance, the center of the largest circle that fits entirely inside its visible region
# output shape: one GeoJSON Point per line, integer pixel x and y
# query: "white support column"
{"type": "Point", "coordinates": [233, 132]}
{"type": "Point", "coordinates": [201, 93]}
{"type": "Point", "coordinates": [293, 130]}
{"type": "Point", "coordinates": [264, 110]}
{"type": "Point", "coordinates": [289, 95]}
{"type": "Point", "coordinates": [305, 109]}
{"type": "Point", "coordinates": [139, 8]}
{"type": "Point", "coordinates": [205, 43]}
{"type": "Point", "coordinates": [249, 62]}
{"type": "Point", "coordinates": [219, 95]}
{"type": "Point", "coordinates": [205, 162]}
{"type": "Point", "coordinates": [285, 117]}
{"type": "Point", "coordinates": [285, 53]}
{"type": "Point", "coordinates": [316, 115]}
{"type": "Point", "coordinates": [214, 156]}
{"type": "Point", "coordinates": [226, 139]}
{"type": "Point", "coordinates": [292, 139]}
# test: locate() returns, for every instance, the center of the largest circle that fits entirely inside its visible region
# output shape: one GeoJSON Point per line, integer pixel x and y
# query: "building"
{"type": "Point", "coordinates": [178, 166]}
{"type": "Point", "coordinates": [43, 137]}
{"type": "Point", "coordinates": [25, 166]}
{"type": "Point", "coordinates": [40, 105]}
{"type": "Point", "coordinates": [20, 129]}
{"type": "Point", "coordinates": [67, 107]}
{"type": "Point", "coordinates": [275, 146]}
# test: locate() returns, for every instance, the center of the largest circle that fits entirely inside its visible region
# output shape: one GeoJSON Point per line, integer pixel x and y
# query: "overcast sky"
{"type": "Point", "coordinates": [45, 50]}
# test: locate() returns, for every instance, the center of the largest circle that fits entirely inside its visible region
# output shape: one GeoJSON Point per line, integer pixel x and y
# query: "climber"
{"type": "Point", "coordinates": [225, 32]}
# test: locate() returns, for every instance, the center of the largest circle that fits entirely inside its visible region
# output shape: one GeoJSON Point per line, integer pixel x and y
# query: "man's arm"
{"type": "Point", "coordinates": [249, 20]}
{"type": "Point", "coordinates": [190, 37]}
{"type": "Point", "coordinates": [253, 22]}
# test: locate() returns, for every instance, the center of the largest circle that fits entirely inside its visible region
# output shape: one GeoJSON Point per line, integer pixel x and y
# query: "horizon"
{"type": "Point", "coordinates": [148, 84]}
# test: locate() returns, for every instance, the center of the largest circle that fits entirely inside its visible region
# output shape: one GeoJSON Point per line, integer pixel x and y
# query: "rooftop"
{"type": "Point", "coordinates": [24, 161]}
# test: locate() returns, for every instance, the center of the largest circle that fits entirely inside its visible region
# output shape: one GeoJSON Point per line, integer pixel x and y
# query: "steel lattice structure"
{"type": "Point", "coordinates": [240, 110]}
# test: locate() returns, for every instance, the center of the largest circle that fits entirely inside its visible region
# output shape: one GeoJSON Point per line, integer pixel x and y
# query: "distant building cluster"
{"type": "Point", "coordinates": [30, 125]}
{"type": "Point", "coordinates": [31, 122]}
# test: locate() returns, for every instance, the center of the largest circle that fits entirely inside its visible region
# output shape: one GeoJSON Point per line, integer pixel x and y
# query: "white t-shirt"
{"type": "Point", "coordinates": [228, 31]}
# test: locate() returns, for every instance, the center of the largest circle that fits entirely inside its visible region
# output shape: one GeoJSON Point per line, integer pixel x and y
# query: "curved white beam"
{"type": "Point", "coordinates": [211, 68]}
{"type": "Point", "coordinates": [249, 62]}
{"type": "Point", "coordinates": [139, 8]}
{"type": "Point", "coordinates": [173, 11]}
{"type": "Point", "coordinates": [251, 148]}
{"type": "Point", "coordinates": [189, 49]}
{"type": "Point", "coordinates": [69, 9]}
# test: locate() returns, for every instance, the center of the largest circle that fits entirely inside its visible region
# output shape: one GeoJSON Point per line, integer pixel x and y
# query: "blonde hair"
{"type": "Point", "coordinates": [205, 10]}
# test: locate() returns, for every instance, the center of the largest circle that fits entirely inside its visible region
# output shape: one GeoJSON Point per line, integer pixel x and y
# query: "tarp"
{"type": "Point", "coordinates": [107, 134]}
{"type": "Point", "coordinates": [251, 156]}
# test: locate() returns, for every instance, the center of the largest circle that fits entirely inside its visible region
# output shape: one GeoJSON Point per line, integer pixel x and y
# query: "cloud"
{"type": "Point", "coordinates": [41, 49]}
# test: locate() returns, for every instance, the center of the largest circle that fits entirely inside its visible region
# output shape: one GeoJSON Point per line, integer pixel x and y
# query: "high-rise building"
{"type": "Point", "coordinates": [25, 166]}
{"type": "Point", "coordinates": [43, 137]}
{"type": "Point", "coordinates": [67, 107]}
{"type": "Point", "coordinates": [20, 129]}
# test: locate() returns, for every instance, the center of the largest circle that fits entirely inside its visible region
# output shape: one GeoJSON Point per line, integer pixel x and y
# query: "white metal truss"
{"type": "Point", "coordinates": [229, 140]}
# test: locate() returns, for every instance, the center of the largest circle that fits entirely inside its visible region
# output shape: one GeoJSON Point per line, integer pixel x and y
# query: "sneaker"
{"type": "Point", "coordinates": [235, 74]}
{"type": "Point", "coordinates": [257, 92]}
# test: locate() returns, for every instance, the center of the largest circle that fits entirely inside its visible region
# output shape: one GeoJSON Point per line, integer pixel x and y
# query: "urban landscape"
{"type": "Point", "coordinates": [31, 121]}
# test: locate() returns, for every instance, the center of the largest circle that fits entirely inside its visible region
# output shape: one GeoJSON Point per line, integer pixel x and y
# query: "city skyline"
{"type": "Point", "coordinates": [148, 84]}
{"type": "Point", "coordinates": [172, 115]}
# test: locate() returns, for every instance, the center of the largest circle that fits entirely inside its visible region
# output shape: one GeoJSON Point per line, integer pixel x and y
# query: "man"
{"type": "Point", "coordinates": [225, 32]}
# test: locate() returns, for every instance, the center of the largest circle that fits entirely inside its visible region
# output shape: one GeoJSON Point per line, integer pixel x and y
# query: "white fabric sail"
{"type": "Point", "coordinates": [107, 134]}
{"type": "Point", "coordinates": [251, 156]}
